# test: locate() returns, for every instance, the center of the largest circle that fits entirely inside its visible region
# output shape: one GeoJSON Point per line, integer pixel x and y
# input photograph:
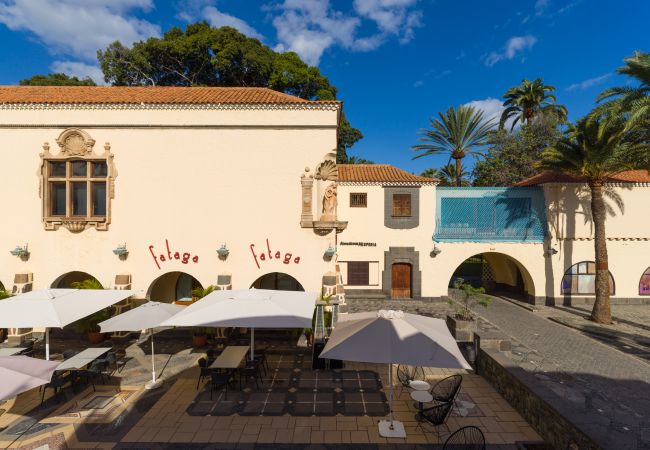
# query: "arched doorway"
{"type": "Point", "coordinates": [277, 281]}
{"type": "Point", "coordinates": [173, 286]}
{"type": "Point", "coordinates": [496, 273]}
{"type": "Point", "coordinates": [66, 280]}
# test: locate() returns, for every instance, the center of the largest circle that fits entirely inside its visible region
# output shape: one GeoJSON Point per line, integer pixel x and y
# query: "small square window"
{"type": "Point", "coordinates": [57, 169]}
{"type": "Point", "coordinates": [358, 200]}
{"type": "Point", "coordinates": [401, 205]}
{"type": "Point", "coordinates": [358, 273]}
{"type": "Point", "coordinates": [79, 169]}
{"type": "Point", "coordinates": [100, 169]}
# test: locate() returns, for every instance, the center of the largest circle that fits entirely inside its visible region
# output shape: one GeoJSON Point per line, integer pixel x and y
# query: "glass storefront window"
{"type": "Point", "coordinates": [644, 284]}
{"type": "Point", "coordinates": [580, 279]}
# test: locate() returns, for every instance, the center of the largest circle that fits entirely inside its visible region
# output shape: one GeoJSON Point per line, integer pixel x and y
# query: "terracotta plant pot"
{"type": "Point", "coordinates": [199, 340]}
{"type": "Point", "coordinates": [95, 337]}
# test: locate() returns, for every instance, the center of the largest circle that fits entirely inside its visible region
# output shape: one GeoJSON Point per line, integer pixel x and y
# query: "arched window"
{"type": "Point", "coordinates": [644, 284]}
{"type": "Point", "coordinates": [580, 279]}
{"type": "Point", "coordinates": [76, 183]}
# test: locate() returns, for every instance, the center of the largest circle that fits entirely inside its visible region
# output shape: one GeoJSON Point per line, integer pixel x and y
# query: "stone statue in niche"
{"type": "Point", "coordinates": [329, 204]}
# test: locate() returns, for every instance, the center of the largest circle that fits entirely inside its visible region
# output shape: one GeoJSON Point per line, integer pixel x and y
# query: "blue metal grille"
{"type": "Point", "coordinates": [490, 215]}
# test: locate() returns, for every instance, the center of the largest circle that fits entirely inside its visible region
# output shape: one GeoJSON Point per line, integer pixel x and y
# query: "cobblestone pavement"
{"type": "Point", "coordinates": [595, 379]}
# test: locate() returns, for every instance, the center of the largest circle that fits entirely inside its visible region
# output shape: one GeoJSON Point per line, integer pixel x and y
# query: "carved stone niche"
{"type": "Point", "coordinates": [75, 144]}
{"type": "Point", "coordinates": [327, 171]}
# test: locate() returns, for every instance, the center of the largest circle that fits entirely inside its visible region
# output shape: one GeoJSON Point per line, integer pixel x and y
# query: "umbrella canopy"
{"type": "Point", "coordinates": [147, 315]}
{"type": "Point", "coordinates": [56, 308]}
{"type": "Point", "coordinates": [254, 308]}
{"type": "Point", "coordinates": [21, 373]}
{"type": "Point", "coordinates": [394, 337]}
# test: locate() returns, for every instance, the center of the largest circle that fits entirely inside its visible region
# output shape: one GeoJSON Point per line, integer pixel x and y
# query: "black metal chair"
{"type": "Point", "coordinates": [205, 371]}
{"type": "Point", "coordinates": [446, 389]}
{"type": "Point", "coordinates": [210, 354]}
{"type": "Point", "coordinates": [56, 384]}
{"type": "Point", "coordinates": [67, 354]}
{"type": "Point", "coordinates": [110, 364]}
{"type": "Point", "coordinates": [250, 370]}
{"type": "Point", "coordinates": [220, 380]}
{"type": "Point", "coordinates": [435, 415]}
{"type": "Point", "coordinates": [260, 358]}
{"type": "Point", "coordinates": [466, 438]}
{"type": "Point", "coordinates": [406, 374]}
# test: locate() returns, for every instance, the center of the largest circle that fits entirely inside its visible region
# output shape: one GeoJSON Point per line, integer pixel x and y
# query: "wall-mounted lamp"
{"type": "Point", "coordinates": [19, 251]}
{"type": "Point", "coordinates": [551, 251]}
{"type": "Point", "coordinates": [223, 251]}
{"type": "Point", "coordinates": [330, 252]}
{"type": "Point", "coordinates": [121, 251]}
{"type": "Point", "coordinates": [435, 251]}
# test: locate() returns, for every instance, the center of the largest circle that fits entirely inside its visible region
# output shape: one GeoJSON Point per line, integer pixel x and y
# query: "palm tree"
{"type": "Point", "coordinates": [458, 132]}
{"type": "Point", "coordinates": [634, 102]}
{"type": "Point", "coordinates": [357, 160]}
{"type": "Point", "coordinates": [595, 149]}
{"type": "Point", "coordinates": [447, 175]}
{"type": "Point", "coordinates": [90, 283]}
{"type": "Point", "coordinates": [528, 100]}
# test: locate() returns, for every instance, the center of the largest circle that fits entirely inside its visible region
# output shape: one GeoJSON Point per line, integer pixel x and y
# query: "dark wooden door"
{"type": "Point", "coordinates": [401, 281]}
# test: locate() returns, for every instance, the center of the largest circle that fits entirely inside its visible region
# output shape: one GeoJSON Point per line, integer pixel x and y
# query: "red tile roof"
{"type": "Point", "coordinates": [630, 176]}
{"type": "Point", "coordinates": [378, 173]}
{"type": "Point", "coordinates": [147, 95]}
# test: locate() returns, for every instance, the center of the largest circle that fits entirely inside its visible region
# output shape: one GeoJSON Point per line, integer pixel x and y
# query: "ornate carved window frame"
{"type": "Point", "coordinates": [75, 144]}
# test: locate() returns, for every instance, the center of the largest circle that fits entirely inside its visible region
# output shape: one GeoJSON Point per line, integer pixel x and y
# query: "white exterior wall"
{"type": "Point", "coordinates": [570, 234]}
{"type": "Point", "coordinates": [197, 178]}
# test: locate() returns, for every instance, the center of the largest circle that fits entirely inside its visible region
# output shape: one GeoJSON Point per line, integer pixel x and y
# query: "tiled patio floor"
{"type": "Point", "coordinates": [161, 420]}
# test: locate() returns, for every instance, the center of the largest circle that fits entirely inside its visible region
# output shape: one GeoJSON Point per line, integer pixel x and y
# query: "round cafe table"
{"type": "Point", "coordinates": [419, 385]}
{"type": "Point", "coordinates": [421, 397]}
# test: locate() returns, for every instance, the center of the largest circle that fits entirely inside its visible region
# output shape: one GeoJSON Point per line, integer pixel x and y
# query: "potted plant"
{"type": "Point", "coordinates": [200, 334]}
{"type": "Point", "coordinates": [90, 324]}
{"type": "Point", "coordinates": [462, 322]}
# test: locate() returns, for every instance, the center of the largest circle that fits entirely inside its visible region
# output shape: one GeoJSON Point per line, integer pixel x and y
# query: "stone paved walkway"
{"type": "Point", "coordinates": [608, 391]}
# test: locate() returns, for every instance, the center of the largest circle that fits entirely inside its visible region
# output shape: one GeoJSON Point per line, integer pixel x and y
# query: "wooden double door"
{"type": "Point", "coordinates": [400, 280]}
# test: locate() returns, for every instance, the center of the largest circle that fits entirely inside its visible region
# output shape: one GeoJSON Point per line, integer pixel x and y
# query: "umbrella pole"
{"type": "Point", "coordinates": [47, 344]}
{"type": "Point", "coordinates": [153, 384]}
{"type": "Point", "coordinates": [252, 343]}
{"type": "Point", "coordinates": [391, 428]}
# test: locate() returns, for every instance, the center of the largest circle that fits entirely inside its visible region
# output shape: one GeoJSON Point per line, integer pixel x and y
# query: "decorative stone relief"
{"type": "Point", "coordinates": [327, 171]}
{"type": "Point", "coordinates": [307, 183]}
{"type": "Point", "coordinates": [329, 204]}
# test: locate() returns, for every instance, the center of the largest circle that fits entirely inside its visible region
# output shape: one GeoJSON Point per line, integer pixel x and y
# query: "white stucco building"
{"type": "Point", "coordinates": [142, 186]}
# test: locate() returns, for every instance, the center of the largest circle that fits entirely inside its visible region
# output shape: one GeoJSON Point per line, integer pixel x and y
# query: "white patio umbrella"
{"type": "Point", "coordinates": [21, 373]}
{"type": "Point", "coordinates": [55, 308]}
{"type": "Point", "coordinates": [393, 337]}
{"type": "Point", "coordinates": [148, 315]}
{"type": "Point", "coordinates": [250, 308]}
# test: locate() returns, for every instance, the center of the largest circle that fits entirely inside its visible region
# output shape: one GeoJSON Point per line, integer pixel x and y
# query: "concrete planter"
{"type": "Point", "coordinates": [461, 330]}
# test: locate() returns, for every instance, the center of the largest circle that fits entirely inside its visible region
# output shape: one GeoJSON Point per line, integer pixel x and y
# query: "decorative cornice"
{"type": "Point", "coordinates": [386, 183]}
{"type": "Point", "coordinates": [609, 239]}
{"type": "Point", "coordinates": [608, 183]}
{"type": "Point", "coordinates": [172, 106]}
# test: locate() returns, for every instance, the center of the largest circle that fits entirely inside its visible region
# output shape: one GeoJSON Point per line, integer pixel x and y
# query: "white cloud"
{"type": "Point", "coordinates": [513, 46]}
{"type": "Point", "coordinates": [79, 69]}
{"type": "Point", "coordinates": [586, 84]}
{"type": "Point", "coordinates": [78, 27]}
{"type": "Point", "coordinates": [491, 107]}
{"type": "Point", "coordinates": [217, 18]}
{"type": "Point", "coordinates": [309, 27]}
{"type": "Point", "coordinates": [418, 83]}
{"type": "Point", "coordinates": [540, 7]}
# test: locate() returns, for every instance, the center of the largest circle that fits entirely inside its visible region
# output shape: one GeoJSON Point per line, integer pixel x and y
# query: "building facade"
{"type": "Point", "coordinates": [165, 189]}
{"type": "Point", "coordinates": [408, 238]}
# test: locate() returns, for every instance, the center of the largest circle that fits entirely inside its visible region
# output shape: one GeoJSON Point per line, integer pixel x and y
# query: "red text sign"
{"type": "Point", "coordinates": [286, 258]}
{"type": "Point", "coordinates": [184, 257]}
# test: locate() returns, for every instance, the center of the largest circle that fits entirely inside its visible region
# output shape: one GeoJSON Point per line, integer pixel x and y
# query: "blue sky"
{"type": "Point", "coordinates": [395, 62]}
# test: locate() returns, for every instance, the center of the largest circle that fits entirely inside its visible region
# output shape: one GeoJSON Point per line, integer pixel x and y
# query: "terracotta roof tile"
{"type": "Point", "coordinates": [378, 173]}
{"type": "Point", "coordinates": [630, 176]}
{"type": "Point", "coordinates": [147, 95]}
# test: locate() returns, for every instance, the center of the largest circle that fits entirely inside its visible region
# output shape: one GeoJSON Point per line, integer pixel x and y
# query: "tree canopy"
{"type": "Point", "coordinates": [56, 79]}
{"type": "Point", "coordinates": [511, 156]}
{"type": "Point", "coordinates": [529, 100]}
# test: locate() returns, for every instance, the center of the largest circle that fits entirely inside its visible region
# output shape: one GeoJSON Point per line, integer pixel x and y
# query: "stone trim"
{"type": "Point", "coordinates": [401, 223]}
{"type": "Point", "coordinates": [387, 183]}
{"type": "Point", "coordinates": [402, 255]}
{"type": "Point", "coordinates": [172, 106]}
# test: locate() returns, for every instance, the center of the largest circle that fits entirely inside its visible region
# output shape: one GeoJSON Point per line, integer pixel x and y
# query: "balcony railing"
{"type": "Point", "coordinates": [490, 215]}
